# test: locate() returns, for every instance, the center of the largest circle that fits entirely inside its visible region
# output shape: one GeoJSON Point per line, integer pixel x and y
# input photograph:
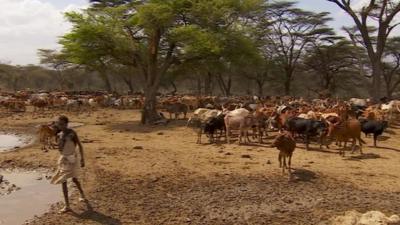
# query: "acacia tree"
{"type": "Point", "coordinates": [379, 13]}
{"type": "Point", "coordinates": [57, 62]}
{"type": "Point", "coordinates": [90, 42]}
{"type": "Point", "coordinates": [329, 60]}
{"type": "Point", "coordinates": [218, 40]}
{"type": "Point", "coordinates": [287, 32]}
{"type": "Point", "coordinates": [146, 35]}
{"type": "Point", "coordinates": [127, 74]}
{"type": "Point", "coordinates": [11, 75]}
{"type": "Point", "coordinates": [260, 70]}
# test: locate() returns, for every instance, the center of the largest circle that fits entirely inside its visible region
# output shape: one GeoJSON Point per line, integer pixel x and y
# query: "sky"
{"type": "Point", "coordinates": [28, 25]}
{"type": "Point", "coordinates": [340, 19]}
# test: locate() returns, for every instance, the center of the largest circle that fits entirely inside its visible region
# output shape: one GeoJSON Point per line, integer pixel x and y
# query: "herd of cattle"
{"type": "Point", "coordinates": [322, 120]}
{"type": "Point", "coordinates": [69, 101]}
{"type": "Point", "coordinates": [319, 120]}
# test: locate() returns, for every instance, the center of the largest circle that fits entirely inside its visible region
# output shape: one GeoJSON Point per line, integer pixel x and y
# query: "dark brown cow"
{"type": "Point", "coordinates": [286, 145]}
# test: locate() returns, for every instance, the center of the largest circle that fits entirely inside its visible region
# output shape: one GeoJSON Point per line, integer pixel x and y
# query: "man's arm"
{"type": "Point", "coordinates": [78, 142]}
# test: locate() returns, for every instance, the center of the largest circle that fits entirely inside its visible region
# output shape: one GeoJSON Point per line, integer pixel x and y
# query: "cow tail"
{"type": "Point", "coordinates": [361, 140]}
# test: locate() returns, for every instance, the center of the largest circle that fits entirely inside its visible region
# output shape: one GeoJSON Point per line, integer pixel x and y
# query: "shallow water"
{"type": "Point", "coordinates": [11, 141]}
{"type": "Point", "coordinates": [34, 198]}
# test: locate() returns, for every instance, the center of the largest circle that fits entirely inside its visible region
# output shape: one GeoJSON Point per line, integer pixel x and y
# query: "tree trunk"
{"type": "Point", "coordinates": [15, 84]}
{"type": "Point", "coordinates": [376, 80]}
{"type": "Point", "coordinates": [288, 79]}
{"type": "Point", "coordinates": [327, 81]}
{"type": "Point", "coordinates": [153, 73]}
{"type": "Point", "coordinates": [106, 80]}
{"type": "Point", "coordinates": [60, 80]}
{"type": "Point", "coordinates": [229, 86]}
{"type": "Point", "coordinates": [128, 83]}
{"type": "Point", "coordinates": [149, 111]}
{"type": "Point", "coordinates": [287, 84]}
{"type": "Point", "coordinates": [130, 86]}
{"type": "Point", "coordinates": [225, 87]}
{"type": "Point", "coordinates": [175, 89]}
{"type": "Point", "coordinates": [208, 84]}
{"type": "Point", "coordinates": [260, 86]}
{"type": "Point", "coordinates": [198, 86]}
{"type": "Point", "coordinates": [389, 93]}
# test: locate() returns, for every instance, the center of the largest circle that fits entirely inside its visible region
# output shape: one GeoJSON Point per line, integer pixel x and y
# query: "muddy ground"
{"type": "Point", "coordinates": [158, 175]}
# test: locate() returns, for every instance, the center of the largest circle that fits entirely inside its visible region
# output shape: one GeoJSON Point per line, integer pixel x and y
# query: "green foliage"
{"type": "Point", "coordinates": [155, 15]}
{"type": "Point", "coordinates": [162, 40]}
{"type": "Point", "coordinates": [90, 40]}
{"type": "Point", "coordinates": [202, 30]}
{"type": "Point", "coordinates": [196, 41]}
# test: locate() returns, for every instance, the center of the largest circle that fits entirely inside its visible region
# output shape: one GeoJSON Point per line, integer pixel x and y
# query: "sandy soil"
{"type": "Point", "coordinates": [158, 175]}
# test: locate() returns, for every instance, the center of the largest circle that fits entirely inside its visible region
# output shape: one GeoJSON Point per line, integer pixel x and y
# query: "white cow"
{"type": "Point", "coordinates": [391, 108]}
{"type": "Point", "coordinates": [359, 102]}
{"type": "Point", "coordinates": [238, 119]}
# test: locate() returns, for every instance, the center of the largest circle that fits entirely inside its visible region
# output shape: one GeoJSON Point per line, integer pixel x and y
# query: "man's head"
{"type": "Point", "coordinates": [62, 122]}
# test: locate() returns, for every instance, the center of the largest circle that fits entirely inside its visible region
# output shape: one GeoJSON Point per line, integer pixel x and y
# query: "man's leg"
{"type": "Point", "coordinates": [65, 192]}
{"type": "Point", "coordinates": [78, 185]}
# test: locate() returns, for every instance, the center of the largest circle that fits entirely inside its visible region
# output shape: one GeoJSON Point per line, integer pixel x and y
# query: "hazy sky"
{"type": "Point", "coordinates": [27, 25]}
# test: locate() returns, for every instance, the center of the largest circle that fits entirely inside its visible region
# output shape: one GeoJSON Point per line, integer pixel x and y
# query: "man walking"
{"type": "Point", "coordinates": [68, 165]}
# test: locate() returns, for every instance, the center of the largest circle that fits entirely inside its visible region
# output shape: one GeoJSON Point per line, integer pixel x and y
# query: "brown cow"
{"type": "Point", "coordinates": [176, 109]}
{"type": "Point", "coordinates": [344, 130]}
{"type": "Point", "coordinates": [47, 133]}
{"type": "Point", "coordinates": [39, 103]}
{"type": "Point", "coordinates": [286, 145]}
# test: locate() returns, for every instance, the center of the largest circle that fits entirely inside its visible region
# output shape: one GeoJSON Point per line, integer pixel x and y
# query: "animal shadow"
{"type": "Point", "coordinates": [303, 175]}
{"type": "Point", "coordinates": [364, 156]}
{"type": "Point", "coordinates": [137, 127]}
{"type": "Point", "coordinates": [391, 132]}
{"type": "Point", "coordinates": [255, 144]}
{"type": "Point", "coordinates": [383, 138]}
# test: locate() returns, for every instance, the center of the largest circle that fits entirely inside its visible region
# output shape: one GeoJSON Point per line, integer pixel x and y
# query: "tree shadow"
{"type": "Point", "coordinates": [303, 175]}
{"type": "Point", "coordinates": [138, 127]}
{"type": "Point", "coordinates": [97, 217]}
{"type": "Point", "coordinates": [388, 148]}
